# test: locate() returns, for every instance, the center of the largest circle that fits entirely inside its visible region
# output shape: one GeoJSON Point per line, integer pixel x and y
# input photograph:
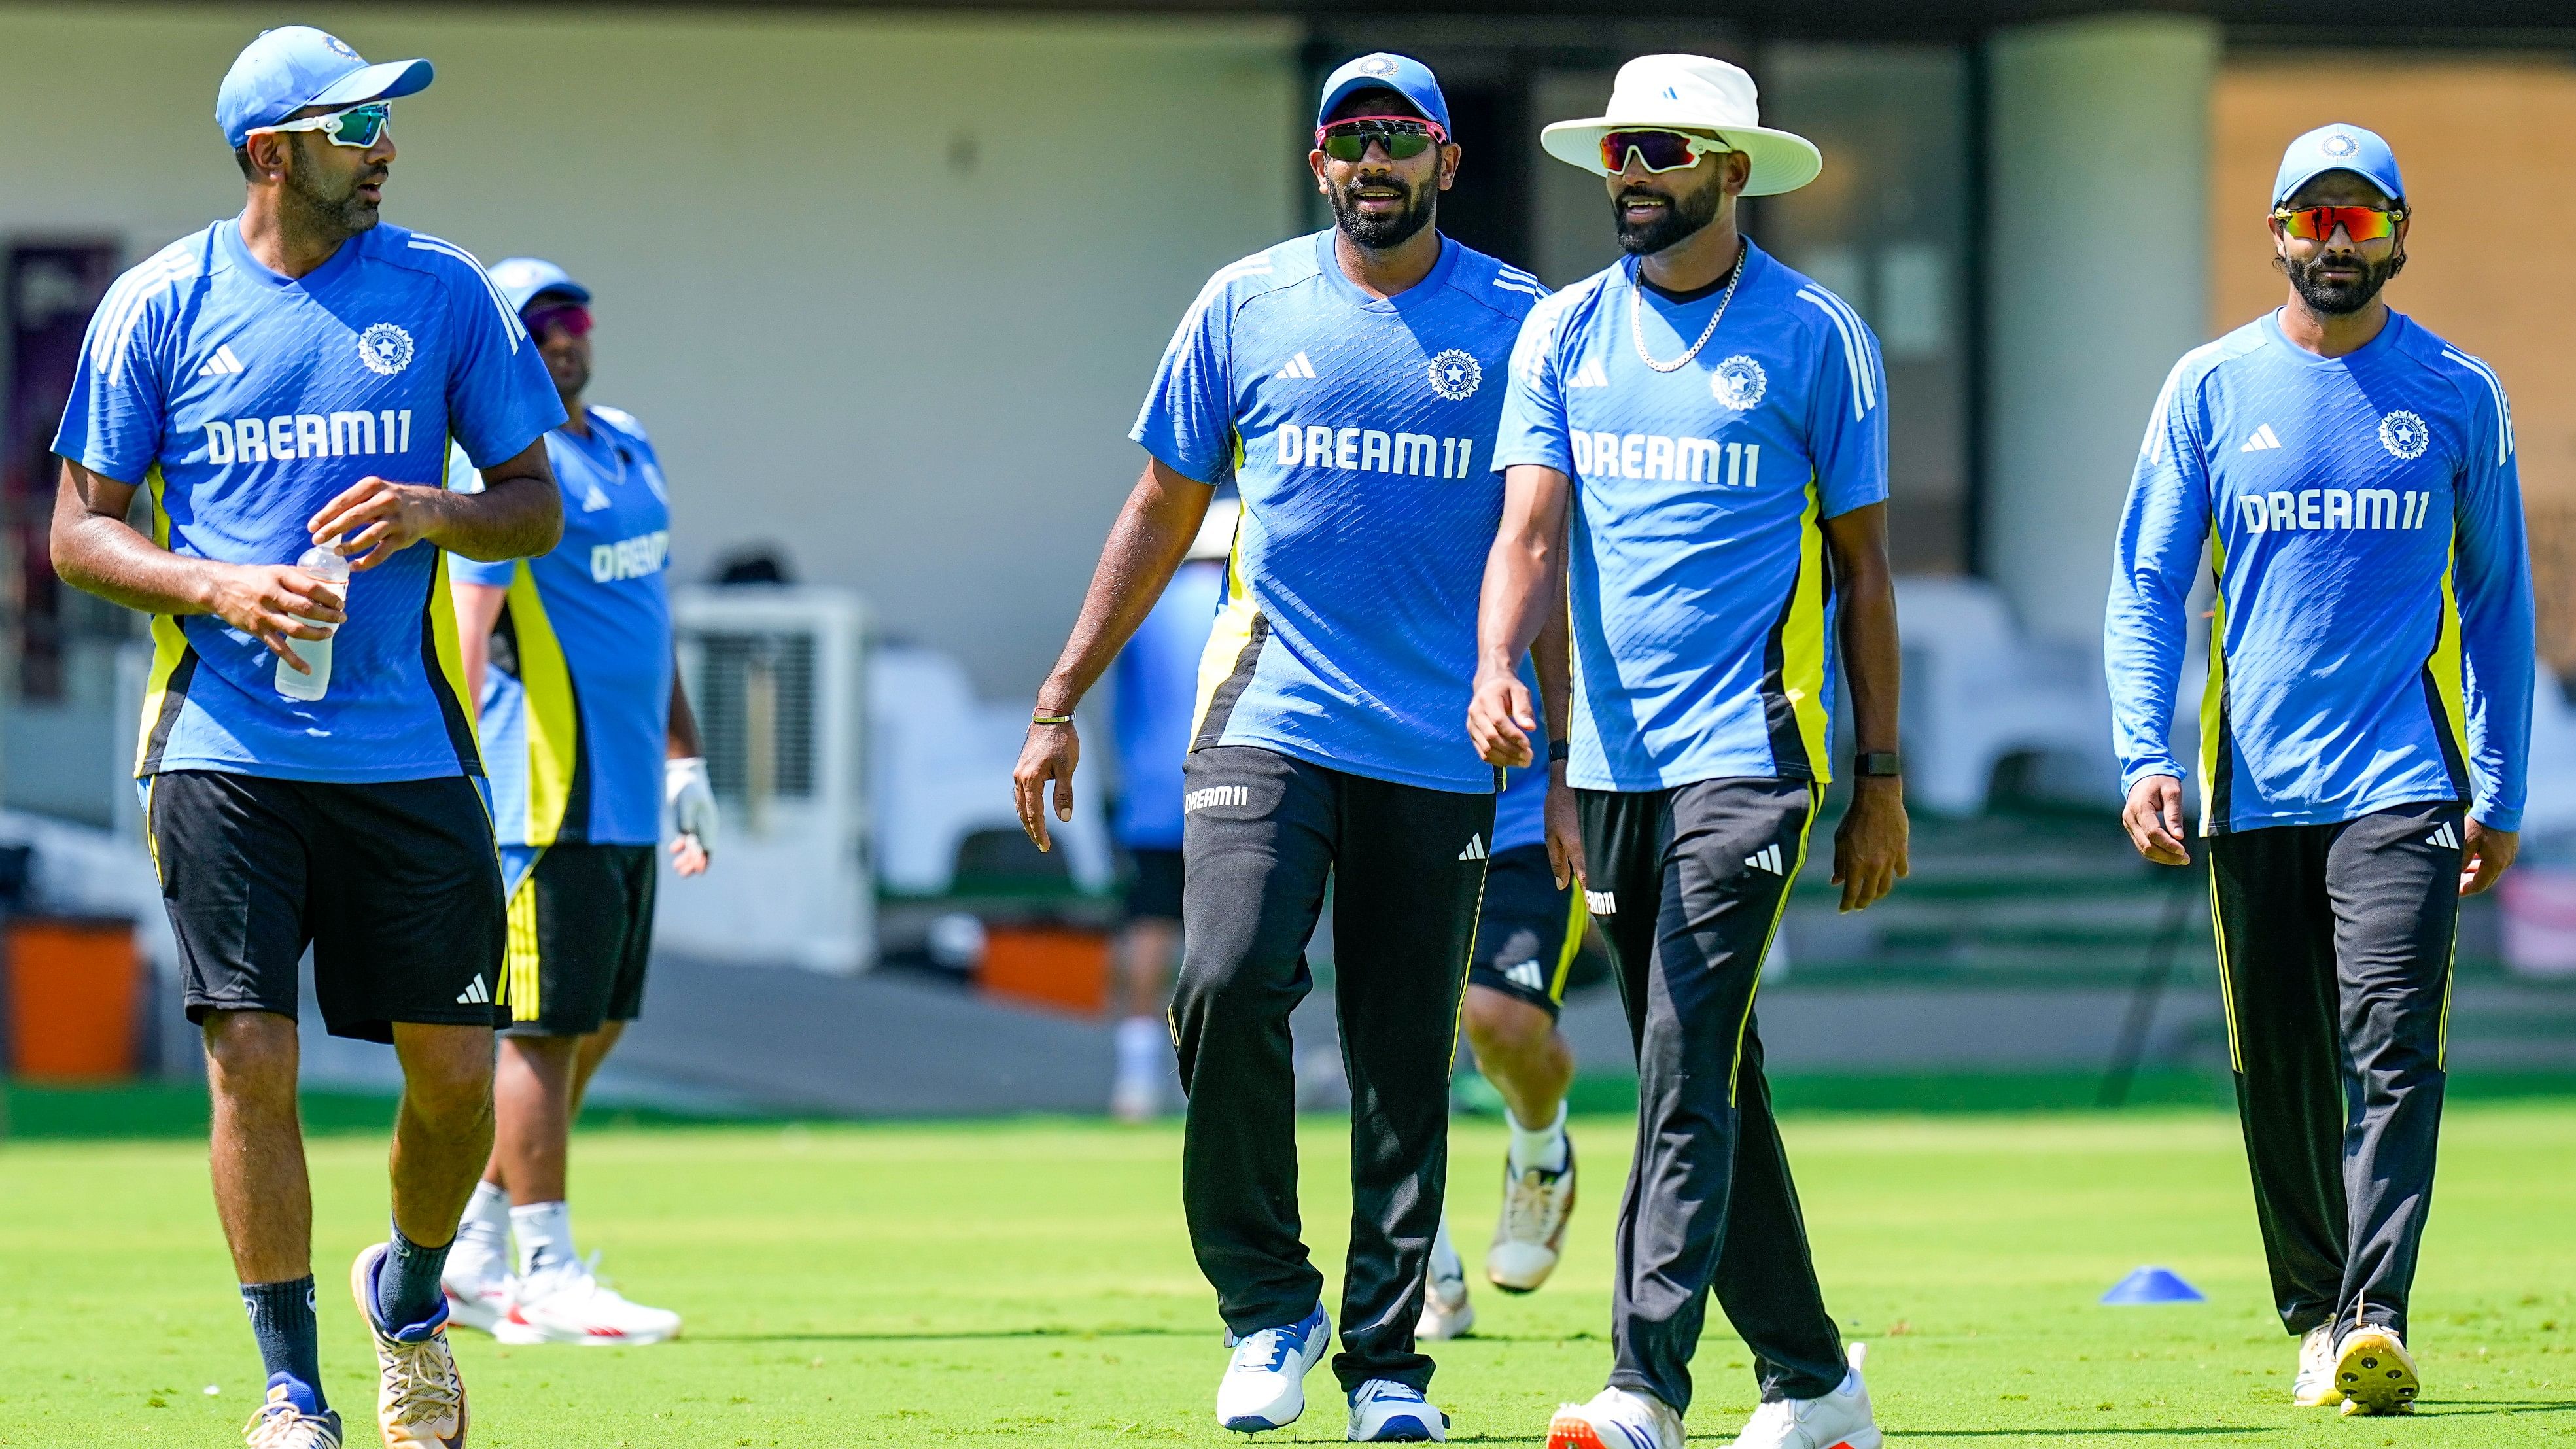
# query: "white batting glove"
{"type": "Point", "coordinates": [692, 800]}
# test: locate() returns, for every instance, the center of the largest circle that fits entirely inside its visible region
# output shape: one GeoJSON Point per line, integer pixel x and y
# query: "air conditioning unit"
{"type": "Point", "coordinates": [775, 675]}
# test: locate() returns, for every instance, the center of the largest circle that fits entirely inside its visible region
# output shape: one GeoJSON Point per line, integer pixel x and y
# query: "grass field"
{"type": "Point", "coordinates": [1028, 1283]}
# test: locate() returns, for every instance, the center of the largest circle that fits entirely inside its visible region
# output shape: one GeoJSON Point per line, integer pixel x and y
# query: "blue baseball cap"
{"type": "Point", "coordinates": [525, 279]}
{"type": "Point", "coordinates": [2338, 148]}
{"type": "Point", "coordinates": [1401, 74]}
{"type": "Point", "coordinates": [295, 66]}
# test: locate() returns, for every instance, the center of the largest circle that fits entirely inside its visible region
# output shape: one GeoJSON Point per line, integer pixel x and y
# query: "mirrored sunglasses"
{"type": "Point", "coordinates": [356, 126]}
{"type": "Point", "coordinates": [570, 317]}
{"type": "Point", "coordinates": [2319, 223]}
{"type": "Point", "coordinates": [1404, 137]}
{"type": "Point", "coordinates": [1657, 151]}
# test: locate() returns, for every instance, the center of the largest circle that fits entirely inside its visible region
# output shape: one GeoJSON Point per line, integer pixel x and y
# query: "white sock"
{"type": "Point", "coordinates": [1144, 1048]}
{"type": "Point", "coordinates": [483, 1234]}
{"type": "Point", "coordinates": [1542, 1147]}
{"type": "Point", "coordinates": [1444, 1255]}
{"type": "Point", "coordinates": [544, 1230]}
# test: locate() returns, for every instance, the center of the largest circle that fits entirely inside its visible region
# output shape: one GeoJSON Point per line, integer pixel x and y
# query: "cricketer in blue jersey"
{"type": "Point", "coordinates": [282, 382]}
{"type": "Point", "coordinates": [1695, 455]}
{"type": "Point", "coordinates": [2351, 477]}
{"type": "Point", "coordinates": [585, 729]}
{"type": "Point", "coordinates": [1347, 384]}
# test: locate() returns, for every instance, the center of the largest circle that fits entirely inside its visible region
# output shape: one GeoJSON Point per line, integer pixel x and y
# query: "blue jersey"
{"type": "Point", "coordinates": [1158, 686]}
{"type": "Point", "coordinates": [244, 401]}
{"type": "Point", "coordinates": [1703, 617]}
{"type": "Point", "coordinates": [1520, 813]}
{"type": "Point", "coordinates": [2372, 640]}
{"type": "Point", "coordinates": [1357, 429]}
{"type": "Point", "coordinates": [577, 706]}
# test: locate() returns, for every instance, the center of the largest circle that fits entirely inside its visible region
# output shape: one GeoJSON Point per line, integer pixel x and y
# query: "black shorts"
{"type": "Point", "coordinates": [1528, 932]}
{"type": "Point", "coordinates": [581, 931]}
{"type": "Point", "coordinates": [395, 886]}
{"type": "Point", "coordinates": [1154, 891]}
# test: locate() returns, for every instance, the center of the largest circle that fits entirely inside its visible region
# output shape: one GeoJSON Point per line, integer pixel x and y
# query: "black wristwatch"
{"type": "Point", "coordinates": [1558, 751]}
{"type": "Point", "coordinates": [1877, 764]}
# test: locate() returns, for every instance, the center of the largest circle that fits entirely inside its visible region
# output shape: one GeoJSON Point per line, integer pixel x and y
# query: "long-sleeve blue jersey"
{"type": "Point", "coordinates": [2371, 640]}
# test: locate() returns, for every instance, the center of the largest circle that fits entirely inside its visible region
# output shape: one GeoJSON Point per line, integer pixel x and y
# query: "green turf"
{"type": "Point", "coordinates": [1028, 1283]}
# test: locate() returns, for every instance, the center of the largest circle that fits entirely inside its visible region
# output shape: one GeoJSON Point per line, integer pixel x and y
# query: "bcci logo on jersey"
{"type": "Point", "coordinates": [2404, 435]}
{"type": "Point", "coordinates": [1737, 383]}
{"type": "Point", "coordinates": [385, 349]}
{"type": "Point", "coordinates": [1454, 375]}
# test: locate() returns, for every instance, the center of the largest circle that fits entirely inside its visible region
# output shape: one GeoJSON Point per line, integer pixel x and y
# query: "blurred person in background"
{"type": "Point", "coordinates": [287, 384]}
{"type": "Point", "coordinates": [1347, 382]}
{"type": "Point", "coordinates": [587, 732]}
{"type": "Point", "coordinates": [2363, 730]}
{"type": "Point", "coordinates": [1157, 679]}
{"type": "Point", "coordinates": [1695, 443]}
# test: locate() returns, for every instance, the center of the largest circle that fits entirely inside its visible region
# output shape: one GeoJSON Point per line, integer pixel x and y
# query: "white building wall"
{"type": "Point", "coordinates": [2097, 271]}
{"type": "Point", "coordinates": [886, 291]}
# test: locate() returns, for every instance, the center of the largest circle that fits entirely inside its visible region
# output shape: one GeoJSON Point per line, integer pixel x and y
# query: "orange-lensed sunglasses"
{"type": "Point", "coordinates": [2319, 223]}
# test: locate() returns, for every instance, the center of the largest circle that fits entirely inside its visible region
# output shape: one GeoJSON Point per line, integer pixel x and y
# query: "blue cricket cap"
{"type": "Point", "coordinates": [2338, 148]}
{"type": "Point", "coordinates": [1401, 74]}
{"type": "Point", "coordinates": [295, 66]}
{"type": "Point", "coordinates": [525, 279]}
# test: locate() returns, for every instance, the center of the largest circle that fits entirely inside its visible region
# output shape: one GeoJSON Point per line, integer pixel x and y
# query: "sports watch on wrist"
{"type": "Point", "coordinates": [1559, 751]}
{"type": "Point", "coordinates": [1877, 764]}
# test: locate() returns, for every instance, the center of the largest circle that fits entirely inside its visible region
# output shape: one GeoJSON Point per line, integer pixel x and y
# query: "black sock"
{"type": "Point", "coordinates": [407, 1290]}
{"type": "Point", "coordinates": [281, 1318]}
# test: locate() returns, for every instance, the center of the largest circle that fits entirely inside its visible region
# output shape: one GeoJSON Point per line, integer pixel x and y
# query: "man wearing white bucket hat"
{"type": "Point", "coordinates": [1713, 427]}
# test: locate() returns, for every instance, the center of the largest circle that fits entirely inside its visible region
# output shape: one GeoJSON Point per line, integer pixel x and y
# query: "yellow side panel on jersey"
{"type": "Point", "coordinates": [554, 721]}
{"type": "Point", "coordinates": [2213, 698]}
{"type": "Point", "coordinates": [2448, 672]}
{"type": "Point", "coordinates": [169, 644]}
{"type": "Point", "coordinates": [1226, 642]}
{"type": "Point", "coordinates": [1802, 645]}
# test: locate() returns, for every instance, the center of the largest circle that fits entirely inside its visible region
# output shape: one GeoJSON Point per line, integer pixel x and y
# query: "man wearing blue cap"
{"type": "Point", "coordinates": [2363, 730]}
{"type": "Point", "coordinates": [1348, 383]}
{"type": "Point", "coordinates": [286, 383]}
{"type": "Point", "coordinates": [585, 727]}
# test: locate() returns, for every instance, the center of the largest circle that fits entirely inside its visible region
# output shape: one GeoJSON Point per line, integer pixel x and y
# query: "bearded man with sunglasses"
{"type": "Point", "coordinates": [284, 382]}
{"type": "Point", "coordinates": [586, 729]}
{"type": "Point", "coordinates": [1711, 429]}
{"type": "Point", "coordinates": [2362, 738]}
{"type": "Point", "coordinates": [1348, 383]}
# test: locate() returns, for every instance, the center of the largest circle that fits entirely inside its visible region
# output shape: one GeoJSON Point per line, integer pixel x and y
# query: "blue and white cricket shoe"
{"type": "Point", "coordinates": [1265, 1384]}
{"type": "Point", "coordinates": [1386, 1412]}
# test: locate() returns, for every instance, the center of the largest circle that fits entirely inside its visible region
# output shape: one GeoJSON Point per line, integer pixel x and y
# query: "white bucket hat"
{"type": "Point", "coordinates": [1697, 93]}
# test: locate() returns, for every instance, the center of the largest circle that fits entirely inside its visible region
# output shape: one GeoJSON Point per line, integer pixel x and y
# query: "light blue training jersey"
{"type": "Point", "coordinates": [2373, 629]}
{"type": "Point", "coordinates": [1358, 430]}
{"type": "Point", "coordinates": [1703, 611]}
{"type": "Point", "coordinates": [576, 707]}
{"type": "Point", "coordinates": [243, 401]}
{"type": "Point", "coordinates": [1158, 687]}
{"type": "Point", "coordinates": [1520, 812]}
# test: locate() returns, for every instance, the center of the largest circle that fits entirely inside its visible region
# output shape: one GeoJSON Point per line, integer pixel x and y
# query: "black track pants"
{"type": "Point", "coordinates": [1687, 884]}
{"type": "Point", "coordinates": [2334, 949]}
{"type": "Point", "coordinates": [1263, 833]}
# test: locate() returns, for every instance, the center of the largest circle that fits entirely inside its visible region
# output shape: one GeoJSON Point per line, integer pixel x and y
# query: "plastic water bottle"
{"type": "Point", "coordinates": [329, 567]}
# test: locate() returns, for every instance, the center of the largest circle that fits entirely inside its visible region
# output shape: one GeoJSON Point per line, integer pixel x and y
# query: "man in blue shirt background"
{"type": "Point", "coordinates": [2363, 730]}
{"type": "Point", "coordinates": [283, 380]}
{"type": "Point", "coordinates": [1347, 382]}
{"type": "Point", "coordinates": [585, 728]}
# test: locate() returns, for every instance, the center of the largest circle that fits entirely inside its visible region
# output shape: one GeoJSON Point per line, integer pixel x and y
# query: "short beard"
{"type": "Point", "coordinates": [1684, 217]}
{"type": "Point", "coordinates": [580, 382]}
{"type": "Point", "coordinates": [1378, 233]}
{"type": "Point", "coordinates": [2339, 299]}
{"type": "Point", "coordinates": [319, 212]}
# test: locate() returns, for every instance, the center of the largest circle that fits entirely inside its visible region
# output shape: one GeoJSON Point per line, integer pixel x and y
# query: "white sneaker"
{"type": "Point", "coordinates": [288, 1419]}
{"type": "Point", "coordinates": [420, 1401]}
{"type": "Point", "coordinates": [2314, 1388]}
{"type": "Point", "coordinates": [1386, 1412]}
{"type": "Point", "coordinates": [568, 1304]}
{"type": "Point", "coordinates": [2375, 1372]}
{"type": "Point", "coordinates": [1446, 1313]}
{"type": "Point", "coordinates": [1265, 1382]}
{"type": "Point", "coordinates": [1616, 1419]}
{"type": "Point", "coordinates": [1537, 1204]}
{"type": "Point", "coordinates": [478, 1290]}
{"type": "Point", "coordinates": [1839, 1420]}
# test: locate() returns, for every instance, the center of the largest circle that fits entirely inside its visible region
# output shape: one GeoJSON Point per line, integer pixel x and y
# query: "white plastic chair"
{"type": "Point", "coordinates": [1978, 690]}
{"type": "Point", "coordinates": [941, 761]}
